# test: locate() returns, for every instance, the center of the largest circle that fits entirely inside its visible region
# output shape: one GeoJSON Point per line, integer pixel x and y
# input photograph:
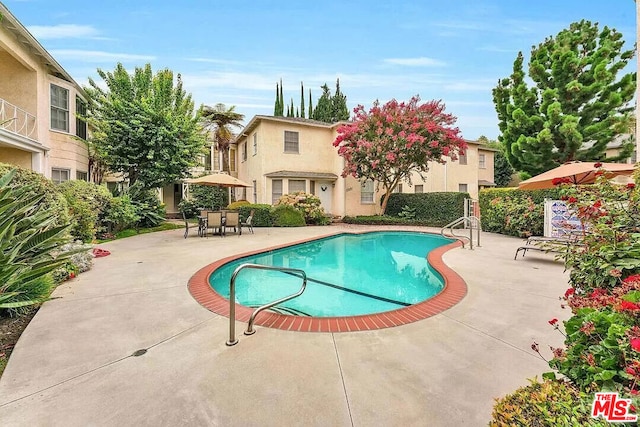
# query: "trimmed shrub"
{"type": "Point", "coordinates": [287, 216]}
{"type": "Point", "coordinates": [432, 209]}
{"type": "Point", "coordinates": [235, 205]}
{"type": "Point", "coordinates": [377, 220]}
{"type": "Point", "coordinates": [189, 208]}
{"type": "Point", "coordinates": [308, 204]}
{"type": "Point", "coordinates": [514, 212]}
{"type": "Point", "coordinates": [87, 204]}
{"type": "Point", "coordinates": [40, 185]}
{"type": "Point", "coordinates": [262, 216]}
{"type": "Point", "coordinates": [148, 206]}
{"type": "Point", "coordinates": [208, 197]}
{"type": "Point", "coordinates": [550, 403]}
{"type": "Point", "coordinates": [120, 215]}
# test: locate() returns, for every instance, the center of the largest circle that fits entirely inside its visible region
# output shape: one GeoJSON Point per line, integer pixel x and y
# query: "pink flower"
{"type": "Point", "coordinates": [553, 322]}
{"type": "Point", "coordinates": [631, 186]}
{"type": "Point", "coordinates": [635, 344]}
{"type": "Point", "coordinates": [597, 165]}
{"type": "Point", "coordinates": [628, 305]}
{"type": "Point", "coordinates": [569, 292]}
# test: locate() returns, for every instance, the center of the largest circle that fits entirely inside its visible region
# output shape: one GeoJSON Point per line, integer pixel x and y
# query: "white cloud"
{"type": "Point", "coordinates": [422, 61]}
{"type": "Point", "coordinates": [98, 56]}
{"type": "Point", "coordinates": [62, 31]}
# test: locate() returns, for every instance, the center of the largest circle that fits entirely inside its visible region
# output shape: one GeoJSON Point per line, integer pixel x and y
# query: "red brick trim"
{"type": "Point", "coordinates": [454, 291]}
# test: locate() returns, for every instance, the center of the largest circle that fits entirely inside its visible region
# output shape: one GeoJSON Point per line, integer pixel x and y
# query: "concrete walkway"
{"type": "Point", "coordinates": [74, 364]}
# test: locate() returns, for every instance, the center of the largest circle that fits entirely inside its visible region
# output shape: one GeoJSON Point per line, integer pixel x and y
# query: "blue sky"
{"type": "Point", "coordinates": [234, 52]}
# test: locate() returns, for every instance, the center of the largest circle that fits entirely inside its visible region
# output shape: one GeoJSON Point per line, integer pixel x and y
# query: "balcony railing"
{"type": "Point", "coordinates": [18, 121]}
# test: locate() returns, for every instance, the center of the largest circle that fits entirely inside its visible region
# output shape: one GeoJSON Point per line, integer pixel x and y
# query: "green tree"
{"type": "Point", "coordinates": [577, 104]}
{"type": "Point", "coordinates": [324, 107]}
{"type": "Point", "coordinates": [144, 125]}
{"type": "Point", "coordinates": [390, 142]}
{"type": "Point", "coordinates": [339, 104]}
{"type": "Point", "coordinates": [302, 100]}
{"type": "Point", "coordinates": [276, 107]}
{"type": "Point", "coordinates": [310, 115]}
{"type": "Point", "coordinates": [220, 120]}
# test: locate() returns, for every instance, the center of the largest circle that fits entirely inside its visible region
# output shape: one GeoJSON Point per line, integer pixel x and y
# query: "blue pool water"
{"type": "Point", "coordinates": [347, 274]}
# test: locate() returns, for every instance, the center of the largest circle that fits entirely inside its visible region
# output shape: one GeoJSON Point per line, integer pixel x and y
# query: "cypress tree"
{"type": "Point", "coordinates": [281, 100]}
{"type": "Point", "coordinates": [302, 100]}
{"type": "Point", "coordinates": [310, 115]}
{"type": "Point", "coordinates": [276, 108]}
{"type": "Point", "coordinates": [339, 105]}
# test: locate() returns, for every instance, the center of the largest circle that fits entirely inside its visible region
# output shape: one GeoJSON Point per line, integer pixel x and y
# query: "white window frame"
{"type": "Point", "coordinates": [297, 183]}
{"type": "Point", "coordinates": [462, 158]}
{"type": "Point", "coordinates": [418, 187]}
{"type": "Point", "coordinates": [482, 161]}
{"type": "Point", "coordinates": [275, 196]}
{"type": "Point", "coordinates": [244, 151]}
{"type": "Point", "coordinates": [367, 193]}
{"type": "Point", "coordinates": [288, 139]}
{"type": "Point", "coordinates": [59, 105]}
{"type": "Point", "coordinates": [60, 171]}
{"type": "Point", "coordinates": [463, 188]}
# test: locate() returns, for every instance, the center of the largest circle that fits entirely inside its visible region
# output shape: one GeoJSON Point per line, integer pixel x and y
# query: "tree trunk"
{"type": "Point", "coordinates": [385, 200]}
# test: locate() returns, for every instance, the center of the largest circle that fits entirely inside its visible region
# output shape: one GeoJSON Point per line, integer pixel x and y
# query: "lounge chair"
{"type": "Point", "coordinates": [548, 244]}
{"type": "Point", "coordinates": [214, 222]}
{"type": "Point", "coordinates": [248, 222]}
{"type": "Point", "coordinates": [233, 220]}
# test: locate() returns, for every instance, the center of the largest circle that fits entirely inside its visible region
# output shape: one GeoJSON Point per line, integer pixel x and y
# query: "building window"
{"type": "Point", "coordinates": [366, 192]}
{"type": "Point", "coordinates": [418, 188]}
{"type": "Point", "coordinates": [60, 175]}
{"type": "Point", "coordinates": [462, 158]}
{"type": "Point", "coordinates": [59, 108]}
{"type": "Point", "coordinates": [291, 144]}
{"type": "Point", "coordinates": [297, 185]}
{"type": "Point", "coordinates": [81, 125]}
{"type": "Point", "coordinates": [463, 188]}
{"type": "Point", "coordinates": [482, 162]}
{"type": "Point", "coordinates": [244, 151]}
{"type": "Point", "coordinates": [255, 191]}
{"type": "Point", "coordinates": [398, 189]}
{"type": "Point", "coordinates": [312, 187]}
{"type": "Point", "coordinates": [276, 190]}
{"type": "Point", "coordinates": [232, 160]}
{"type": "Point", "coordinates": [255, 144]}
{"type": "Point", "coordinates": [81, 176]}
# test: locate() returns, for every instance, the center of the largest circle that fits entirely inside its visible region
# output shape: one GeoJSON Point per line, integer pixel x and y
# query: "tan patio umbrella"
{"type": "Point", "coordinates": [577, 173]}
{"type": "Point", "coordinates": [218, 180]}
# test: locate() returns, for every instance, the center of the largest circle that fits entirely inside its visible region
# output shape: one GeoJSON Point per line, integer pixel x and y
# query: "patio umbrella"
{"type": "Point", "coordinates": [218, 180]}
{"type": "Point", "coordinates": [576, 173]}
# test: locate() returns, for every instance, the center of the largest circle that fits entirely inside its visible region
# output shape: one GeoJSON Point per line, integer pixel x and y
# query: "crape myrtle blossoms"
{"type": "Point", "coordinates": [389, 142]}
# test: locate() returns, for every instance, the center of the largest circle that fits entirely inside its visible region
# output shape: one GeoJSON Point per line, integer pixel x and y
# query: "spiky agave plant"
{"type": "Point", "coordinates": [29, 246]}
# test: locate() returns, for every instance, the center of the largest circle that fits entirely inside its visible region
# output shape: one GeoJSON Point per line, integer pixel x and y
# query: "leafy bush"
{"type": "Point", "coordinates": [121, 214]}
{"type": "Point", "coordinates": [407, 212]}
{"type": "Point", "coordinates": [549, 403]}
{"type": "Point", "coordinates": [433, 209]}
{"type": "Point", "coordinates": [190, 208]}
{"type": "Point", "coordinates": [235, 205]}
{"type": "Point", "coordinates": [308, 204]}
{"type": "Point", "coordinates": [43, 186]}
{"type": "Point", "coordinates": [376, 220]}
{"type": "Point", "coordinates": [287, 216]}
{"type": "Point", "coordinates": [148, 206]}
{"type": "Point", "coordinates": [29, 244]}
{"type": "Point", "coordinates": [262, 216]}
{"type": "Point", "coordinates": [208, 197]}
{"type": "Point", "coordinates": [514, 212]}
{"type": "Point", "coordinates": [87, 204]}
{"type": "Point", "coordinates": [80, 261]}
{"type": "Point", "coordinates": [610, 249]}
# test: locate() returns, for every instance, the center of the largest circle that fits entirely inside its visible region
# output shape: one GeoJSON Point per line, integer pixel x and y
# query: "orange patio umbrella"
{"type": "Point", "coordinates": [218, 180]}
{"type": "Point", "coordinates": [576, 173]}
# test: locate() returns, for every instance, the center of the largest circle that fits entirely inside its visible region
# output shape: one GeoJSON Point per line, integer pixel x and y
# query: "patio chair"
{"type": "Point", "coordinates": [233, 220]}
{"type": "Point", "coordinates": [248, 222]}
{"type": "Point", "coordinates": [186, 225]}
{"type": "Point", "coordinates": [214, 222]}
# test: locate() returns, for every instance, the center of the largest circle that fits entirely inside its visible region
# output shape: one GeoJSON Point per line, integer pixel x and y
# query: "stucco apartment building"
{"type": "Point", "coordinates": [38, 104]}
{"type": "Point", "coordinates": [280, 155]}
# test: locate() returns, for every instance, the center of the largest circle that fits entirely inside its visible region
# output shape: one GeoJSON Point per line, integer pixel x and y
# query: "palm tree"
{"type": "Point", "coordinates": [220, 120]}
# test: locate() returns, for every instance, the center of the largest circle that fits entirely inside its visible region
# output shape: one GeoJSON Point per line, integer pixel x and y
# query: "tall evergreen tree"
{"type": "Point", "coordinates": [281, 101]}
{"type": "Point", "coordinates": [310, 115]}
{"type": "Point", "coordinates": [324, 110]}
{"type": "Point", "coordinates": [302, 100]}
{"type": "Point", "coordinates": [276, 108]}
{"type": "Point", "coordinates": [339, 104]}
{"type": "Point", "coordinates": [577, 106]}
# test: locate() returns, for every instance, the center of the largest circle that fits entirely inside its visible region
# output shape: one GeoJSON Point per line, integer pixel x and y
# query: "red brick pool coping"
{"type": "Point", "coordinates": [454, 291]}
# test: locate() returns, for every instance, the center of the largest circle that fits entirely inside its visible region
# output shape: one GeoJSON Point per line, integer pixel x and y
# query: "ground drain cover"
{"type": "Point", "coordinates": [139, 352]}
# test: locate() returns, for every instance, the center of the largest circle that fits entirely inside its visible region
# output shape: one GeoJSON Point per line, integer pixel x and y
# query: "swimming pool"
{"type": "Point", "coordinates": [347, 274]}
{"type": "Point", "coordinates": [454, 291]}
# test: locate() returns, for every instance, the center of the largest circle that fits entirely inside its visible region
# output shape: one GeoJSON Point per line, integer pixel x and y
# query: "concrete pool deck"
{"type": "Point", "coordinates": [75, 366]}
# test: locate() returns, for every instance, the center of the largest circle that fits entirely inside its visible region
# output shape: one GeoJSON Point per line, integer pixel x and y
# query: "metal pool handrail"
{"type": "Point", "coordinates": [470, 221]}
{"type": "Point", "coordinates": [232, 297]}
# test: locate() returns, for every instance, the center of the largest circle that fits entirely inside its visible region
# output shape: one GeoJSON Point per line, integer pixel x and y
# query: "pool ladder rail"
{"type": "Point", "coordinates": [232, 297]}
{"type": "Point", "coordinates": [469, 222]}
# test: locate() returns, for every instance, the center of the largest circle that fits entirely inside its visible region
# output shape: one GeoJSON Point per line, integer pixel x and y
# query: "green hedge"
{"type": "Point", "coordinates": [261, 217]}
{"type": "Point", "coordinates": [287, 216]}
{"type": "Point", "coordinates": [513, 211]}
{"type": "Point", "coordinates": [432, 209]}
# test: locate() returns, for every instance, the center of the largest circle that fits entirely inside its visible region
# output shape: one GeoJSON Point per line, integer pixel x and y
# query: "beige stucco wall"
{"type": "Point", "coordinates": [15, 157]}
{"type": "Point", "coordinates": [18, 84]}
{"type": "Point", "coordinates": [488, 173]}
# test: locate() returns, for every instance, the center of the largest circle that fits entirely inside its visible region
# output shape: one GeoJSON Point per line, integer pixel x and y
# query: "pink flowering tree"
{"type": "Point", "coordinates": [390, 142]}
